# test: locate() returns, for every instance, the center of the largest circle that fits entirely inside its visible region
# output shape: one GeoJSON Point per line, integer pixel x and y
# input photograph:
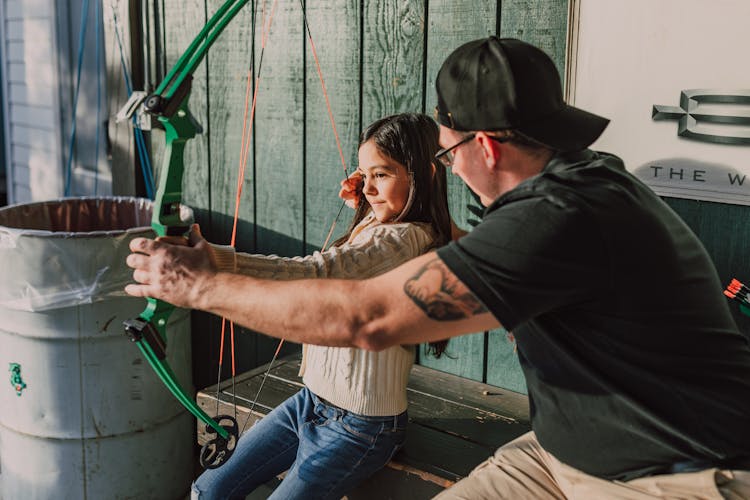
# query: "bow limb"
{"type": "Point", "coordinates": [148, 331]}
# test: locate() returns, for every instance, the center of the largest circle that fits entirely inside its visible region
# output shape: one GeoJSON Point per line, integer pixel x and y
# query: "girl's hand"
{"type": "Point", "coordinates": [456, 232]}
{"type": "Point", "coordinates": [351, 190]}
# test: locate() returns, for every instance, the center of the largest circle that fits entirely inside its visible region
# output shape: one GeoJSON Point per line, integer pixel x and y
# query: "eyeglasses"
{"type": "Point", "coordinates": [446, 156]}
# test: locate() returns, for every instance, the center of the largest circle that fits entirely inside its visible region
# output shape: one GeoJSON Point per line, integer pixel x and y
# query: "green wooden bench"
{"type": "Point", "coordinates": [454, 424]}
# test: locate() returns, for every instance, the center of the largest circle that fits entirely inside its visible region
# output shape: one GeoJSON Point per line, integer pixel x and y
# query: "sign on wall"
{"type": "Point", "coordinates": [673, 76]}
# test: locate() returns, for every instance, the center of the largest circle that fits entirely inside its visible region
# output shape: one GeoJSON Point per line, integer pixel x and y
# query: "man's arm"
{"type": "Point", "coordinates": [420, 301]}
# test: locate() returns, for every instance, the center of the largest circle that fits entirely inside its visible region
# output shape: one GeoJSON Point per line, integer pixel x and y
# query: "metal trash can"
{"type": "Point", "coordinates": [82, 415]}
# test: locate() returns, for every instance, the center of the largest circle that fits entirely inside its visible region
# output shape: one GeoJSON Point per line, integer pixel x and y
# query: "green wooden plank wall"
{"type": "Point", "coordinates": [725, 232]}
{"type": "Point", "coordinates": [377, 58]}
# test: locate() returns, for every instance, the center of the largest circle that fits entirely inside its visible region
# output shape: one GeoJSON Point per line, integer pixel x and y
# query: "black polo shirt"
{"type": "Point", "coordinates": [632, 360]}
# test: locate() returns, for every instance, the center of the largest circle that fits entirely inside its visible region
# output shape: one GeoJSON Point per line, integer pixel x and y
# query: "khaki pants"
{"type": "Point", "coordinates": [522, 469]}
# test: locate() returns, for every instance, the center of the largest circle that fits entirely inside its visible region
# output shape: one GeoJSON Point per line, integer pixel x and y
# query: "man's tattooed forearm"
{"type": "Point", "coordinates": [442, 296]}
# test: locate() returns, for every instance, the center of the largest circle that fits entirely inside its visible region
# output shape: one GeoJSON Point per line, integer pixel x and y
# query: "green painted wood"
{"type": "Point", "coordinates": [464, 357]}
{"type": "Point", "coordinates": [543, 24]}
{"type": "Point", "coordinates": [725, 232]}
{"type": "Point", "coordinates": [337, 46]}
{"type": "Point", "coordinates": [185, 19]}
{"type": "Point", "coordinates": [452, 24]}
{"type": "Point", "coordinates": [503, 367]}
{"type": "Point", "coordinates": [279, 145]}
{"type": "Point", "coordinates": [279, 129]}
{"type": "Point", "coordinates": [392, 58]}
{"type": "Point", "coordinates": [229, 62]}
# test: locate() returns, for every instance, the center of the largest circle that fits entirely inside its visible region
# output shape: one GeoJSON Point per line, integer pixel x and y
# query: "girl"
{"type": "Point", "coordinates": [350, 418]}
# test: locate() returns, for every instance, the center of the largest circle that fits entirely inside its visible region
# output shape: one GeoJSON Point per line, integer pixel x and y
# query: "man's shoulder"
{"type": "Point", "coordinates": [575, 179]}
{"type": "Point", "coordinates": [584, 159]}
{"type": "Point", "coordinates": [582, 171]}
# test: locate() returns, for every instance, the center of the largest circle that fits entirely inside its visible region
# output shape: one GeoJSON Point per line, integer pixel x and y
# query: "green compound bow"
{"type": "Point", "coordinates": [169, 104]}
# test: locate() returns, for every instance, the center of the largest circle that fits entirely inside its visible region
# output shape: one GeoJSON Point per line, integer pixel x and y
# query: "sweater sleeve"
{"type": "Point", "coordinates": [374, 251]}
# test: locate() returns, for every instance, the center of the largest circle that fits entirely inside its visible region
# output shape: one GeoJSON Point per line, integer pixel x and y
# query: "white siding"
{"type": "Point", "coordinates": [39, 53]}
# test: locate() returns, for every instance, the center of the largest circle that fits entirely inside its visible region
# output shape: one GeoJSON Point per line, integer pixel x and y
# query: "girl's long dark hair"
{"type": "Point", "coordinates": [411, 139]}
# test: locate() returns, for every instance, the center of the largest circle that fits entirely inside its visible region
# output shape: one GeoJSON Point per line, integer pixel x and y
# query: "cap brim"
{"type": "Point", "coordinates": [570, 129]}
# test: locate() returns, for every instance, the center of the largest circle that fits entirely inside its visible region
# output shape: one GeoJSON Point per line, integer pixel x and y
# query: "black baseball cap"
{"type": "Point", "coordinates": [503, 83]}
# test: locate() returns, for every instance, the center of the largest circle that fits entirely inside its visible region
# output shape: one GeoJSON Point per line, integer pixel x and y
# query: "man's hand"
{"type": "Point", "coordinates": [173, 269]}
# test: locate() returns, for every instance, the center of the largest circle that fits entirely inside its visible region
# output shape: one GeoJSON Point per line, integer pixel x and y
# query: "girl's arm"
{"type": "Point", "coordinates": [375, 251]}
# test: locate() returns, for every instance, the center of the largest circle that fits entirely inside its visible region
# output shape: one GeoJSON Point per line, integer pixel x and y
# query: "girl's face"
{"type": "Point", "coordinates": [386, 182]}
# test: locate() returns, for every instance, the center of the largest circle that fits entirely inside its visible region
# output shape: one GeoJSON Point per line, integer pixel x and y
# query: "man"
{"type": "Point", "coordinates": [638, 379]}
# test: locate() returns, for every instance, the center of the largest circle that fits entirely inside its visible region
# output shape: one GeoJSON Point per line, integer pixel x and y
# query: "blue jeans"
{"type": "Point", "coordinates": [327, 450]}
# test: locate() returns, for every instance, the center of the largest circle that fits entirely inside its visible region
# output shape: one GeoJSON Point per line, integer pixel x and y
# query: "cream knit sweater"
{"type": "Point", "coordinates": [363, 382]}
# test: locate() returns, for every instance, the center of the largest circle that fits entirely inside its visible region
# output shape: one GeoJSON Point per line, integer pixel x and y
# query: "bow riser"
{"type": "Point", "coordinates": [178, 128]}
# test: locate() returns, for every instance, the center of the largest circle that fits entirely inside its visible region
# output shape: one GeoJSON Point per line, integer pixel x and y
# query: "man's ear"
{"type": "Point", "coordinates": [492, 150]}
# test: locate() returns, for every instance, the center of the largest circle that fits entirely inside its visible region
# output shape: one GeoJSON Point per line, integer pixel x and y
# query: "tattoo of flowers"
{"type": "Point", "coordinates": [442, 296]}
